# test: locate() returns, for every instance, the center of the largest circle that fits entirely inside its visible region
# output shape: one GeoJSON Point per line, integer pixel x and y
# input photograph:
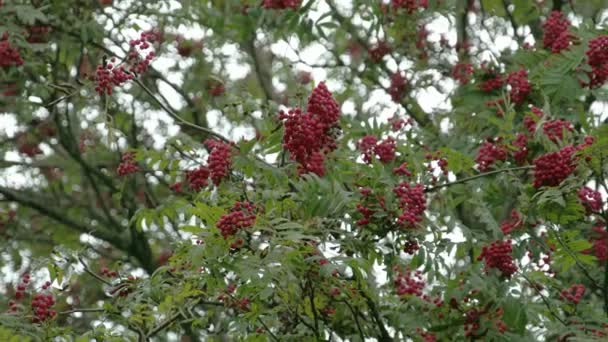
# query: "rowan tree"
{"type": "Point", "coordinates": [310, 170]}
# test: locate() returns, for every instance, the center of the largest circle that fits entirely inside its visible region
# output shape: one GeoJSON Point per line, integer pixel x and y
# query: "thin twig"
{"type": "Point", "coordinates": [81, 310]}
{"type": "Point", "coordinates": [93, 274]}
{"type": "Point", "coordinates": [274, 337]}
{"type": "Point", "coordinates": [544, 299]}
{"type": "Point", "coordinates": [485, 174]}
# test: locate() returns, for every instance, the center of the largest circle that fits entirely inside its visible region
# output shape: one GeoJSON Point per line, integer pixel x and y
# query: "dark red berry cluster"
{"type": "Point", "coordinates": [219, 160]}
{"type": "Point", "coordinates": [308, 136]}
{"type": "Point", "coordinates": [573, 294]}
{"type": "Point", "coordinates": [597, 57]}
{"type": "Point", "coordinates": [498, 255]}
{"type": "Point", "coordinates": [600, 243]}
{"type": "Point", "coordinates": [408, 283]}
{"type": "Point", "coordinates": [491, 80]}
{"type": "Point", "coordinates": [127, 164]}
{"type": "Point", "coordinates": [557, 36]}
{"type": "Point", "coordinates": [489, 153]}
{"type": "Point", "coordinates": [411, 246]}
{"type": "Point", "coordinates": [281, 4]}
{"type": "Point", "coordinates": [378, 51]}
{"type": "Point", "coordinates": [9, 55]}
{"type": "Point", "coordinates": [402, 170]}
{"type": "Point", "coordinates": [552, 168]}
{"type": "Point", "coordinates": [216, 88]}
{"type": "Point", "coordinates": [410, 5]}
{"type": "Point", "coordinates": [436, 163]}
{"type": "Point", "coordinates": [412, 202]}
{"type": "Point", "coordinates": [462, 72]}
{"type": "Point", "coordinates": [520, 86]}
{"type": "Point", "coordinates": [369, 206]}
{"type": "Point", "coordinates": [530, 120]}
{"type": "Point", "coordinates": [41, 307]}
{"type": "Point", "coordinates": [398, 87]}
{"type": "Point", "coordinates": [383, 150]}
{"type": "Point", "coordinates": [554, 129]}
{"type": "Point", "coordinates": [520, 153]}
{"type": "Point", "coordinates": [28, 144]}
{"type": "Point", "coordinates": [591, 199]}
{"type": "Point", "coordinates": [513, 223]}
{"type": "Point", "coordinates": [107, 273]}
{"type": "Point", "coordinates": [242, 215]}
{"type": "Point", "coordinates": [38, 34]}
{"type": "Point", "coordinates": [196, 179]}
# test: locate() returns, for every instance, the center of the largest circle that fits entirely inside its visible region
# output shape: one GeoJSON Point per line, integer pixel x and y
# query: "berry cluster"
{"type": "Point", "coordinates": [498, 255]}
{"type": "Point", "coordinates": [110, 75]}
{"type": "Point", "coordinates": [554, 129]}
{"type": "Point", "coordinates": [556, 37]}
{"type": "Point", "coordinates": [413, 203]}
{"type": "Point", "coordinates": [196, 179]}
{"type": "Point", "coordinates": [377, 52]}
{"type": "Point", "coordinates": [219, 160]}
{"type": "Point", "coordinates": [530, 120]}
{"type": "Point", "coordinates": [365, 208]}
{"type": "Point", "coordinates": [383, 150]}
{"type": "Point", "coordinates": [591, 199]}
{"type": "Point", "coordinates": [597, 56]}
{"type": "Point", "coordinates": [185, 47]}
{"type": "Point", "coordinates": [462, 72]}
{"type": "Point", "coordinates": [397, 87]}
{"type": "Point", "coordinates": [410, 5]}
{"type": "Point", "coordinates": [242, 215]}
{"type": "Point", "coordinates": [107, 273]}
{"type": "Point", "coordinates": [9, 56]}
{"type": "Point", "coordinates": [41, 306]}
{"type": "Point", "coordinates": [411, 247]}
{"type": "Point", "coordinates": [127, 164]}
{"type": "Point", "coordinates": [402, 170]}
{"type": "Point", "coordinates": [600, 243]}
{"type": "Point", "coordinates": [573, 294]}
{"type": "Point", "coordinates": [515, 222]}
{"type": "Point", "coordinates": [489, 153]}
{"type": "Point", "coordinates": [28, 144]}
{"type": "Point", "coordinates": [435, 160]}
{"type": "Point", "coordinates": [281, 4]}
{"type": "Point", "coordinates": [408, 283]}
{"type": "Point", "coordinates": [520, 86]}
{"type": "Point", "coordinates": [308, 136]}
{"type": "Point", "coordinates": [552, 168]}
{"type": "Point", "coordinates": [520, 154]}
{"type": "Point", "coordinates": [491, 81]}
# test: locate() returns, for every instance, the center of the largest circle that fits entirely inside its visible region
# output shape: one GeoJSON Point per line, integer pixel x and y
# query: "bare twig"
{"type": "Point", "coordinates": [481, 175]}
{"type": "Point", "coordinates": [93, 274]}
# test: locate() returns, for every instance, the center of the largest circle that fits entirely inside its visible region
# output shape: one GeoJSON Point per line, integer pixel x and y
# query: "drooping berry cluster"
{"type": "Point", "coordinates": [378, 51]}
{"type": "Point", "coordinates": [554, 129]}
{"type": "Point", "coordinates": [308, 136]}
{"type": "Point", "coordinates": [410, 5]}
{"type": "Point", "coordinates": [498, 255]}
{"type": "Point", "coordinates": [219, 160]}
{"type": "Point", "coordinates": [520, 86]}
{"type": "Point", "coordinates": [597, 57]}
{"type": "Point", "coordinates": [411, 246]}
{"type": "Point", "coordinates": [408, 283]}
{"type": "Point", "coordinates": [573, 294]}
{"type": "Point", "coordinates": [28, 144]}
{"type": "Point", "coordinates": [38, 34]}
{"type": "Point", "coordinates": [107, 273]}
{"type": "Point", "coordinates": [9, 55]}
{"type": "Point", "coordinates": [412, 202]}
{"type": "Point", "coordinates": [489, 153]}
{"type": "Point", "coordinates": [242, 215]}
{"type": "Point", "coordinates": [591, 199]}
{"type": "Point", "coordinates": [110, 74]}
{"type": "Point", "coordinates": [281, 4]}
{"type": "Point", "coordinates": [600, 243]}
{"type": "Point", "coordinates": [369, 206]}
{"type": "Point", "coordinates": [557, 36]}
{"type": "Point", "coordinates": [397, 87]}
{"type": "Point", "coordinates": [127, 164]}
{"type": "Point", "coordinates": [520, 154]}
{"type": "Point", "coordinates": [41, 307]}
{"type": "Point", "coordinates": [383, 150]}
{"type": "Point", "coordinates": [552, 168]}
{"type": "Point", "coordinates": [462, 72]}
{"type": "Point", "coordinates": [513, 223]}
{"type": "Point", "coordinates": [197, 178]}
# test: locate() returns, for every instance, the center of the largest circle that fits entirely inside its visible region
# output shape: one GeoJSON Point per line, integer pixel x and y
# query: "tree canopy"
{"type": "Point", "coordinates": [309, 170]}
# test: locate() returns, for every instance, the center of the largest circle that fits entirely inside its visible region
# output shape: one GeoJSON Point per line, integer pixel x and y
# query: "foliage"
{"type": "Point", "coordinates": [183, 169]}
